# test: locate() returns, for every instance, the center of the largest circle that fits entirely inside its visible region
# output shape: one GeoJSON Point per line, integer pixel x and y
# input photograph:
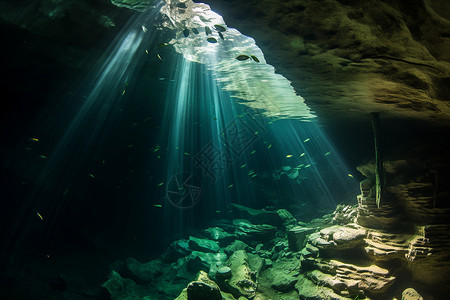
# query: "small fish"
{"type": "Point", "coordinates": [350, 175]}
{"type": "Point", "coordinates": [328, 153]}
{"type": "Point", "coordinates": [103, 162]}
{"type": "Point", "coordinates": [195, 30]}
{"type": "Point", "coordinates": [211, 40]}
{"type": "Point", "coordinates": [28, 148]}
{"type": "Point", "coordinates": [219, 28]}
{"type": "Point", "coordinates": [218, 211]}
{"type": "Point", "coordinates": [230, 186]}
{"type": "Point", "coordinates": [253, 152]}
{"type": "Point", "coordinates": [214, 118]}
{"type": "Point", "coordinates": [181, 5]}
{"type": "Point", "coordinates": [270, 146]}
{"type": "Point", "coordinates": [130, 146]}
{"type": "Point", "coordinates": [221, 35]}
{"type": "Point", "coordinates": [307, 140]}
{"type": "Point", "coordinates": [123, 93]}
{"type": "Point", "coordinates": [146, 119]}
{"type": "Point", "coordinates": [34, 140]}
{"type": "Point", "coordinates": [40, 216]}
{"type": "Point", "coordinates": [144, 29]}
{"type": "Point", "coordinates": [146, 51]}
{"type": "Point", "coordinates": [208, 30]}
{"type": "Point", "coordinates": [251, 172]}
{"type": "Point", "coordinates": [289, 156]}
{"type": "Point", "coordinates": [242, 57]}
{"type": "Point", "coordinates": [91, 175]}
{"type": "Point", "coordinates": [256, 132]}
{"type": "Point", "coordinates": [156, 149]}
{"type": "Point", "coordinates": [159, 56]}
{"type": "Point", "coordinates": [243, 166]}
{"type": "Point", "coordinates": [162, 45]}
{"type": "Point", "coordinates": [303, 154]}
{"type": "Point", "coordinates": [254, 175]}
{"type": "Point", "coordinates": [307, 166]}
{"type": "Point", "coordinates": [160, 184]}
{"type": "Point", "coordinates": [186, 32]}
{"type": "Point", "coordinates": [185, 153]}
{"type": "Point", "coordinates": [43, 156]}
{"type": "Point", "coordinates": [255, 58]}
{"type": "Point", "coordinates": [157, 205]}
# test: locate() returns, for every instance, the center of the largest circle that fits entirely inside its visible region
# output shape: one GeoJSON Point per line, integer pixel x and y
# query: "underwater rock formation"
{"type": "Point", "coordinates": [350, 58]}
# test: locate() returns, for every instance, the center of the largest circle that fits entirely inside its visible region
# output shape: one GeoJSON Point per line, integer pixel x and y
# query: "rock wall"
{"type": "Point", "coordinates": [348, 58]}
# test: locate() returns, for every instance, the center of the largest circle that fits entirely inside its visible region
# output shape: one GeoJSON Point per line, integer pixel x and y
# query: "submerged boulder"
{"type": "Point", "coordinates": [219, 235]}
{"type": "Point", "coordinates": [143, 273]}
{"type": "Point", "coordinates": [254, 234]}
{"type": "Point", "coordinates": [256, 216]}
{"type": "Point", "coordinates": [202, 288]}
{"type": "Point", "coordinates": [203, 245]}
{"type": "Point", "coordinates": [243, 279]}
{"type": "Point", "coordinates": [236, 245]}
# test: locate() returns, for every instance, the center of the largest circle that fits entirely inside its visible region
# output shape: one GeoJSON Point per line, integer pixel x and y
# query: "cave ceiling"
{"type": "Point", "coordinates": [345, 58]}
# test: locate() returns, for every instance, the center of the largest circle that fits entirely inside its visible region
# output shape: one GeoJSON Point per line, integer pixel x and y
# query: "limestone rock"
{"type": "Point", "coordinates": [208, 262]}
{"type": "Point", "coordinates": [286, 217]}
{"type": "Point", "coordinates": [143, 273]}
{"type": "Point", "coordinates": [310, 291]}
{"type": "Point", "coordinates": [202, 288]}
{"type": "Point", "coordinates": [219, 235]}
{"type": "Point", "coordinates": [236, 245]}
{"type": "Point", "coordinates": [283, 275]}
{"type": "Point", "coordinates": [256, 216]}
{"type": "Point", "coordinates": [243, 280]}
{"type": "Point", "coordinates": [198, 290]}
{"type": "Point", "coordinates": [118, 287]}
{"type": "Point", "coordinates": [344, 214]}
{"type": "Point", "coordinates": [176, 250]}
{"type": "Point", "coordinates": [296, 237]}
{"type": "Point", "coordinates": [203, 245]}
{"type": "Point", "coordinates": [254, 233]}
{"type": "Point", "coordinates": [411, 294]}
{"type": "Point", "coordinates": [372, 279]}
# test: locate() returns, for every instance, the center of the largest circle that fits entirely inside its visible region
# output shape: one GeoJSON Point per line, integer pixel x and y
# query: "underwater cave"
{"type": "Point", "coordinates": [225, 149]}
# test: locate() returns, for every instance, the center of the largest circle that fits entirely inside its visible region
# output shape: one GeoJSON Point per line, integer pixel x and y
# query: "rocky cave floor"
{"type": "Point", "coordinates": [397, 251]}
